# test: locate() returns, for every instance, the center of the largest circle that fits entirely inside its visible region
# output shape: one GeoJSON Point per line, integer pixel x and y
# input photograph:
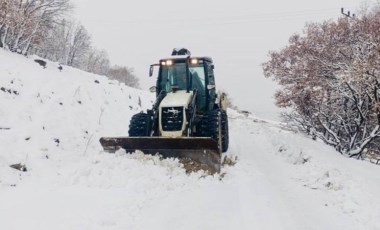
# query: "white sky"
{"type": "Point", "coordinates": [236, 34]}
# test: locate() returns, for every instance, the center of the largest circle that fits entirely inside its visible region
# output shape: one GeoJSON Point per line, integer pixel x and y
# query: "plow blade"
{"type": "Point", "coordinates": [203, 150]}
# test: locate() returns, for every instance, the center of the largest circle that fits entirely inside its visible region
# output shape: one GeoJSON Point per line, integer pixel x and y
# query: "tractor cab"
{"type": "Point", "coordinates": [189, 74]}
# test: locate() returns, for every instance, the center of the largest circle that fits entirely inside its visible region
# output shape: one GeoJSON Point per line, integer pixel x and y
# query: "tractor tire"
{"type": "Point", "coordinates": [225, 133]}
{"type": "Point", "coordinates": [140, 125]}
{"type": "Point", "coordinates": [209, 127]}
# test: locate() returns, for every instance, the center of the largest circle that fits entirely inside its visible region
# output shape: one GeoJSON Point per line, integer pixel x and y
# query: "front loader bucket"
{"type": "Point", "coordinates": [200, 149]}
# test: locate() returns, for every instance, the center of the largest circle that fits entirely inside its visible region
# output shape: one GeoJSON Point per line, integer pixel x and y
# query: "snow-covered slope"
{"type": "Point", "coordinates": [47, 113]}
{"type": "Point", "coordinates": [51, 122]}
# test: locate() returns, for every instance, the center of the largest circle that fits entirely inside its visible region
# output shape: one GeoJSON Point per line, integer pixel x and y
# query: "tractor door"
{"type": "Point", "coordinates": [198, 83]}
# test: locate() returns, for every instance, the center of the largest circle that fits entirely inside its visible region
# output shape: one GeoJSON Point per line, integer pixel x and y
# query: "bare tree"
{"type": "Point", "coordinates": [97, 62]}
{"type": "Point", "coordinates": [67, 42]}
{"type": "Point", "coordinates": [42, 27]}
{"type": "Point", "coordinates": [22, 21]}
{"type": "Point", "coordinates": [79, 45]}
{"type": "Point", "coordinates": [123, 74]}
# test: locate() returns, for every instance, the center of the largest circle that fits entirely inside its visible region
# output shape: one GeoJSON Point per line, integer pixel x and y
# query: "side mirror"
{"type": "Point", "coordinates": [153, 89]}
{"type": "Point", "coordinates": [151, 71]}
{"type": "Point", "coordinates": [212, 67]}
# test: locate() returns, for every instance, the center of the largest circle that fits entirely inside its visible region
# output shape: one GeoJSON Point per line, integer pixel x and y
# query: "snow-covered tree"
{"type": "Point", "coordinates": [97, 61]}
{"type": "Point", "coordinates": [330, 77]}
{"type": "Point", "coordinates": [22, 21]}
{"type": "Point", "coordinates": [42, 27]}
{"type": "Point", "coordinates": [79, 45]}
{"type": "Point", "coordinates": [67, 42]}
{"type": "Point", "coordinates": [123, 74]}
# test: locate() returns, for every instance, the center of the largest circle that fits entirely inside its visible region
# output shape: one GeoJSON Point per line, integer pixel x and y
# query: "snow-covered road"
{"type": "Point", "coordinates": [282, 181]}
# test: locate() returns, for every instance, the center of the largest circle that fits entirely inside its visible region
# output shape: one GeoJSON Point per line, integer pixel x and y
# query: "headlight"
{"type": "Point", "coordinates": [194, 61]}
{"type": "Point", "coordinates": [167, 62]}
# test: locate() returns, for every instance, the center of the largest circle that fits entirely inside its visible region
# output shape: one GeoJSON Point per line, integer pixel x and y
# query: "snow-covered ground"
{"type": "Point", "coordinates": [51, 122]}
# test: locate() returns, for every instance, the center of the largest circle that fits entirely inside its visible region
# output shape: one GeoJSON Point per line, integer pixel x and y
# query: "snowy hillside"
{"type": "Point", "coordinates": [51, 121]}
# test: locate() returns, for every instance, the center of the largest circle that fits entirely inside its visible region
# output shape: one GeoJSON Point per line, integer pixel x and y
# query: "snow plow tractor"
{"type": "Point", "coordinates": [188, 119]}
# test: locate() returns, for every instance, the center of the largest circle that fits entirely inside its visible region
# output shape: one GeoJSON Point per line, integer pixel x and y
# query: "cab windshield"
{"type": "Point", "coordinates": [175, 75]}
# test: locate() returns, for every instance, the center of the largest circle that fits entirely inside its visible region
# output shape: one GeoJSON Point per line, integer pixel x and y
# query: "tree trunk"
{"type": "Point", "coordinates": [26, 48]}
{"type": "Point", "coordinates": [17, 41]}
{"type": "Point", "coordinates": [29, 40]}
{"type": "Point", "coordinates": [1, 34]}
{"type": "Point", "coordinates": [4, 37]}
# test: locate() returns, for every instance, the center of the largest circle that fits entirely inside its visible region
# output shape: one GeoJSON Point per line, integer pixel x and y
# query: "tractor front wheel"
{"type": "Point", "coordinates": [214, 124]}
{"type": "Point", "coordinates": [140, 125]}
{"type": "Point", "coordinates": [225, 133]}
